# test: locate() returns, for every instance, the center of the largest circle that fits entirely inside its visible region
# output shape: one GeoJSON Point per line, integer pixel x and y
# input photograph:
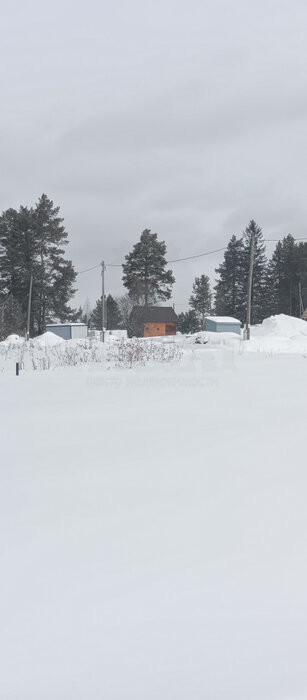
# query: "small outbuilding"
{"type": "Point", "coordinates": [68, 331]}
{"type": "Point", "coordinates": [150, 321]}
{"type": "Point", "coordinates": [222, 324]}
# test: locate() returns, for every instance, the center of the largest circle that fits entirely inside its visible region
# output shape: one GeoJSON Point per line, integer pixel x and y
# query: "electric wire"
{"type": "Point", "coordinates": [80, 272]}
{"type": "Point", "coordinates": [189, 257]}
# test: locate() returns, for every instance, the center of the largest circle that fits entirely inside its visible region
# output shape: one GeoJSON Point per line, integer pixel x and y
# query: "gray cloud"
{"type": "Point", "coordinates": [185, 118]}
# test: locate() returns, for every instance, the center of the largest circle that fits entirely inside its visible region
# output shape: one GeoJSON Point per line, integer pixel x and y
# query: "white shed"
{"type": "Point", "coordinates": [68, 331]}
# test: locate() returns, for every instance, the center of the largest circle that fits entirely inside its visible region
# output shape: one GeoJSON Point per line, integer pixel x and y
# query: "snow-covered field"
{"type": "Point", "coordinates": [153, 523]}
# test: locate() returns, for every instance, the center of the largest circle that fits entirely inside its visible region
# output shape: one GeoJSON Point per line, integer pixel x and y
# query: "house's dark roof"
{"type": "Point", "coordinates": [154, 314]}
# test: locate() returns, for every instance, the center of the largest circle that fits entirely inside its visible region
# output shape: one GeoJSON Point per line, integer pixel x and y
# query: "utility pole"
{"type": "Point", "coordinates": [250, 286]}
{"type": "Point", "coordinates": [103, 269]}
{"type": "Point", "coordinates": [29, 308]}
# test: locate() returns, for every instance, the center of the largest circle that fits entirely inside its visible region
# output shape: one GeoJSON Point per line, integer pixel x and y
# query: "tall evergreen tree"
{"type": "Point", "coordinates": [144, 273]}
{"type": "Point", "coordinates": [95, 320]}
{"type": "Point", "coordinates": [32, 243]}
{"type": "Point", "coordinates": [274, 282]}
{"type": "Point", "coordinates": [201, 298]}
{"type": "Point", "coordinates": [287, 277]}
{"type": "Point", "coordinates": [302, 271]}
{"type": "Point", "coordinates": [258, 306]}
{"type": "Point", "coordinates": [55, 276]}
{"type": "Point", "coordinates": [16, 252]}
{"type": "Point", "coordinates": [11, 317]}
{"type": "Point", "coordinates": [230, 292]}
{"type": "Point", "coordinates": [231, 287]}
{"type": "Point", "coordinates": [114, 319]}
{"type": "Point", "coordinates": [113, 316]}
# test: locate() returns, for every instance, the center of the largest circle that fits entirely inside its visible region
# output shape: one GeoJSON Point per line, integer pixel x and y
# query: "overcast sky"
{"type": "Point", "coordinates": [185, 117]}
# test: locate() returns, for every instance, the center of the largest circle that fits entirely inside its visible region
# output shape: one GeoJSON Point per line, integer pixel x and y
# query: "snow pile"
{"type": "Point", "coordinates": [281, 326]}
{"type": "Point", "coordinates": [279, 334]}
{"type": "Point", "coordinates": [48, 339]}
{"type": "Point", "coordinates": [12, 339]}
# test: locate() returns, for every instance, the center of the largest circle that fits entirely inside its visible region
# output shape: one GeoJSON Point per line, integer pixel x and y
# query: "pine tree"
{"type": "Point", "coordinates": [144, 273]}
{"type": "Point", "coordinates": [14, 263]}
{"type": "Point", "coordinates": [17, 253]}
{"type": "Point", "coordinates": [188, 322]}
{"type": "Point", "coordinates": [302, 272]}
{"type": "Point", "coordinates": [231, 287]}
{"type": "Point", "coordinates": [114, 319]}
{"type": "Point", "coordinates": [11, 317]}
{"type": "Point", "coordinates": [258, 306]}
{"type": "Point", "coordinates": [55, 276]}
{"type": "Point", "coordinates": [286, 277]}
{"type": "Point", "coordinates": [273, 282]}
{"type": "Point", "coordinates": [32, 243]}
{"type": "Point", "coordinates": [95, 320]}
{"type": "Point", "coordinates": [230, 293]}
{"type": "Point", "coordinates": [112, 314]}
{"type": "Point", "coordinates": [201, 298]}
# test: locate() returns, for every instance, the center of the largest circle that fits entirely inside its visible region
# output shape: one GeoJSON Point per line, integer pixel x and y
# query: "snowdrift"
{"type": "Point", "coordinates": [48, 340]}
{"type": "Point", "coordinates": [281, 326]}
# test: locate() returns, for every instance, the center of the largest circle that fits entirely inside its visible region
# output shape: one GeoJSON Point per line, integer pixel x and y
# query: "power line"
{"type": "Point", "coordinates": [200, 255]}
{"type": "Point", "coordinates": [88, 269]}
{"type": "Point", "coordinates": [189, 257]}
{"type": "Point", "coordinates": [278, 240]}
{"type": "Point", "coordinates": [168, 262]}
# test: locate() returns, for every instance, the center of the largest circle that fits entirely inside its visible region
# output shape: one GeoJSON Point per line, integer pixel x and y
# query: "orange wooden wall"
{"type": "Point", "coordinates": [152, 329]}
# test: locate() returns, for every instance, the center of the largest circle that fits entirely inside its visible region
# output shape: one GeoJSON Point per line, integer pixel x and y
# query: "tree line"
{"type": "Point", "coordinates": [279, 283]}
{"type": "Point", "coordinates": [33, 242]}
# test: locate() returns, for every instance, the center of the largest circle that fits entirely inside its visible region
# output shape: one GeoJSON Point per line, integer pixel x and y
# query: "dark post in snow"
{"type": "Point", "coordinates": [250, 286]}
{"type": "Point", "coordinates": [17, 369]}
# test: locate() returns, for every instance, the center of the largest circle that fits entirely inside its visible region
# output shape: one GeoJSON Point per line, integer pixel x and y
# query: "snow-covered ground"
{"type": "Point", "coordinates": [153, 526]}
{"type": "Point", "coordinates": [278, 334]}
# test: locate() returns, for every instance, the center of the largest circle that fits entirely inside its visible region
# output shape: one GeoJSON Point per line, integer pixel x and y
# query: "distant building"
{"type": "Point", "coordinates": [150, 321]}
{"type": "Point", "coordinates": [68, 331]}
{"type": "Point", "coordinates": [222, 324]}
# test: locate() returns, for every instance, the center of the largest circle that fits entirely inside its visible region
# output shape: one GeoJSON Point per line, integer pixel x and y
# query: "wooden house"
{"type": "Point", "coordinates": [150, 321]}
